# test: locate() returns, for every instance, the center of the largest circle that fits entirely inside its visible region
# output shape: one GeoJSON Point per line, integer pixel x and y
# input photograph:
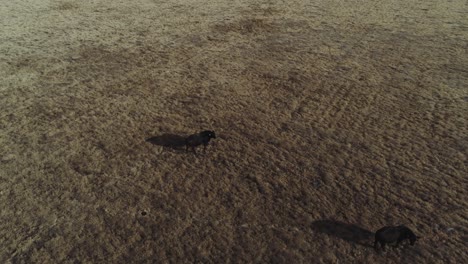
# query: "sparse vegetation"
{"type": "Point", "coordinates": [333, 118]}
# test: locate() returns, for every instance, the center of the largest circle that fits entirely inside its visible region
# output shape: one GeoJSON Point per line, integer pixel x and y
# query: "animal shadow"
{"type": "Point", "coordinates": [348, 232]}
{"type": "Point", "coordinates": [168, 140]}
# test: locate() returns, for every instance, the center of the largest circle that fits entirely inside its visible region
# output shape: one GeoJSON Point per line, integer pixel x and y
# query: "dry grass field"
{"type": "Point", "coordinates": [334, 118]}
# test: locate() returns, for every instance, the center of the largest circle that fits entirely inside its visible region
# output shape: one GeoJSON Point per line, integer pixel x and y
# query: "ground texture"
{"type": "Point", "coordinates": [334, 118]}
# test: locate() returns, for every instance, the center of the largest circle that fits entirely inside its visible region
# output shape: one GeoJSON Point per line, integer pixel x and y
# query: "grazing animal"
{"type": "Point", "coordinates": [195, 140]}
{"type": "Point", "coordinates": [392, 234]}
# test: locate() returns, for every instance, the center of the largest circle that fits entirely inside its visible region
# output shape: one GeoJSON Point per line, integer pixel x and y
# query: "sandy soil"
{"type": "Point", "coordinates": [334, 118]}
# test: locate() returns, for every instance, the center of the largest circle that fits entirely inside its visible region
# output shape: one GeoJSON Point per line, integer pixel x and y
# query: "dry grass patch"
{"type": "Point", "coordinates": [332, 118]}
{"type": "Point", "coordinates": [65, 6]}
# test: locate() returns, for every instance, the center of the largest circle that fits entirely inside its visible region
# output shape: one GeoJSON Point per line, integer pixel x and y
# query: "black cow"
{"type": "Point", "coordinates": [392, 234]}
{"type": "Point", "coordinates": [195, 140]}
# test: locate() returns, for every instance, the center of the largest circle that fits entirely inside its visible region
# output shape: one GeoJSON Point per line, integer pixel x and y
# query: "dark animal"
{"type": "Point", "coordinates": [392, 234]}
{"type": "Point", "coordinates": [195, 140]}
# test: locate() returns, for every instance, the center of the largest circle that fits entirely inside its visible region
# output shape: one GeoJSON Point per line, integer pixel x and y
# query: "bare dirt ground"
{"type": "Point", "coordinates": [334, 118]}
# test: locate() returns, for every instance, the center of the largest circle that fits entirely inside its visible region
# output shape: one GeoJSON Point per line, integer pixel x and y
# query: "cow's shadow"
{"type": "Point", "coordinates": [348, 232]}
{"type": "Point", "coordinates": [172, 141]}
